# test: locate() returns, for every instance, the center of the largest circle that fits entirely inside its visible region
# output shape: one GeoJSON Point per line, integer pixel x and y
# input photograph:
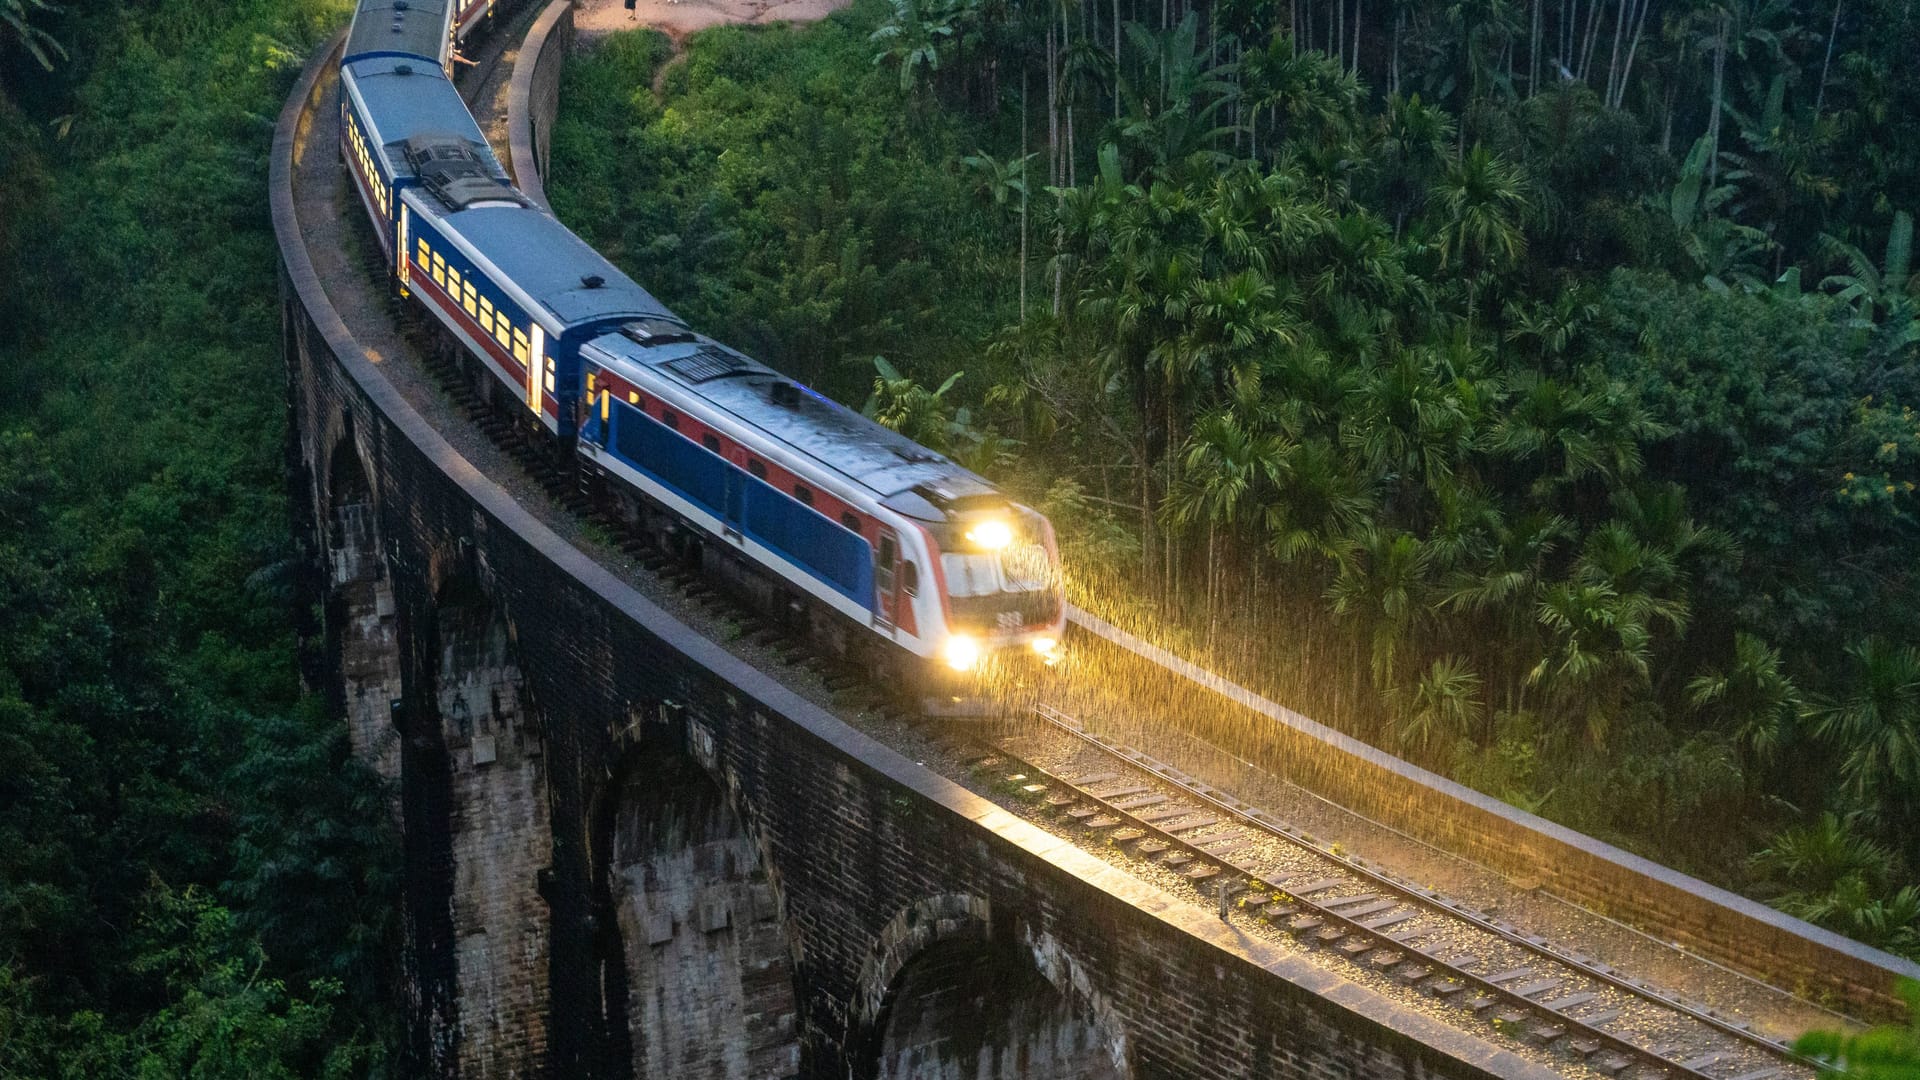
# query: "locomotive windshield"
{"type": "Point", "coordinates": [1020, 566]}
{"type": "Point", "coordinates": [999, 575]}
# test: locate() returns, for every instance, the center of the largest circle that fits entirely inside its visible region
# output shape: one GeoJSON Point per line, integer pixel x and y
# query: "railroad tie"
{"type": "Point", "coordinates": [1364, 910]}
{"type": "Point", "coordinates": [1317, 886]}
{"type": "Point", "coordinates": [1190, 826]}
{"type": "Point", "coordinates": [1527, 990]}
{"type": "Point", "coordinates": [1345, 901]}
{"type": "Point", "coordinates": [1704, 1061]}
{"type": "Point", "coordinates": [1568, 1002]}
{"type": "Point", "coordinates": [1139, 802]}
{"type": "Point", "coordinates": [1117, 793]}
{"type": "Point", "coordinates": [1509, 975]}
{"type": "Point", "coordinates": [1394, 919]}
{"type": "Point", "coordinates": [1767, 1073]}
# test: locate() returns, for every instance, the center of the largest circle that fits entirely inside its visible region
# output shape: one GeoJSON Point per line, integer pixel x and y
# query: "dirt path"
{"type": "Point", "coordinates": [678, 18]}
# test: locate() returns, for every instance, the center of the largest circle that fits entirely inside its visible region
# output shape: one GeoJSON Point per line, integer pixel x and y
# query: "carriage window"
{"type": "Point", "coordinates": [671, 419]}
{"type": "Point", "coordinates": [852, 523]}
{"type": "Point", "coordinates": [502, 331]}
{"type": "Point", "coordinates": [883, 564]}
{"type": "Point", "coordinates": [910, 578]}
{"type": "Point", "coordinates": [803, 493]}
{"type": "Point", "coordinates": [758, 469]}
{"type": "Point", "coordinates": [710, 443]}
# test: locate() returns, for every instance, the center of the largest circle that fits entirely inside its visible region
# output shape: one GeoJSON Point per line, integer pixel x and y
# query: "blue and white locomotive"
{"type": "Point", "coordinates": [803, 506]}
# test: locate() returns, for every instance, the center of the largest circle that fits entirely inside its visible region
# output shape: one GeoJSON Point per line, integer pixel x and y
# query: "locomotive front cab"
{"type": "Point", "coordinates": [1001, 573]}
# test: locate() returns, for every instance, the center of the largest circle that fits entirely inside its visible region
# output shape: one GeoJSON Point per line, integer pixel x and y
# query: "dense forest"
{"type": "Point", "coordinates": [1527, 388]}
{"type": "Point", "coordinates": [195, 879]}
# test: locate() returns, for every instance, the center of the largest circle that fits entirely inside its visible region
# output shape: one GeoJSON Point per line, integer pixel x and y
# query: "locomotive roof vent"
{"type": "Point", "coordinates": [652, 332]}
{"type": "Point", "coordinates": [592, 281]}
{"type": "Point", "coordinates": [403, 69]}
{"type": "Point", "coordinates": [784, 394]}
{"type": "Point", "coordinates": [449, 168]}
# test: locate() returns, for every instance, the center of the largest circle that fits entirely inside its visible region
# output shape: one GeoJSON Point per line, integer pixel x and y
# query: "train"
{"type": "Point", "coordinates": [807, 511]}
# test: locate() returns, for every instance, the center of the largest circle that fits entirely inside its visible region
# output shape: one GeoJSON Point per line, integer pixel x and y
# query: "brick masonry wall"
{"type": "Point", "coordinates": [850, 836]}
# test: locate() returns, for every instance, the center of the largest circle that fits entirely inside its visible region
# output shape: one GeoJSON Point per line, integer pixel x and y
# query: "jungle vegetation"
{"type": "Point", "coordinates": [1524, 386]}
{"type": "Point", "coordinates": [195, 878]}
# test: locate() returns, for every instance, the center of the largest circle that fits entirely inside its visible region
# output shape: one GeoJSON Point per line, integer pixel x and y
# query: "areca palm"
{"type": "Point", "coordinates": [1383, 582]}
{"type": "Point", "coordinates": [1754, 699]}
{"type": "Point", "coordinates": [1875, 725]}
{"type": "Point", "coordinates": [1443, 705]}
{"type": "Point", "coordinates": [1479, 203]}
{"type": "Point", "coordinates": [1570, 434]}
{"type": "Point", "coordinates": [1320, 501]}
{"type": "Point", "coordinates": [1229, 466]}
{"type": "Point", "coordinates": [1598, 651]}
{"type": "Point", "coordinates": [1408, 421]}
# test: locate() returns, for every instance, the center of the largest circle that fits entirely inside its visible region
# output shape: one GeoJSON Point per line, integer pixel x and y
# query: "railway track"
{"type": "Point", "coordinates": [1486, 973]}
{"type": "Point", "coordinates": [1260, 869]}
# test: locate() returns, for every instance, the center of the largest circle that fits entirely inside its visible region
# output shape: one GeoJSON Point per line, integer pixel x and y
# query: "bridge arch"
{"type": "Point", "coordinates": [696, 959]}
{"type": "Point", "coordinates": [362, 639]}
{"type": "Point", "coordinates": [479, 826]}
{"type": "Point", "coordinates": [952, 992]}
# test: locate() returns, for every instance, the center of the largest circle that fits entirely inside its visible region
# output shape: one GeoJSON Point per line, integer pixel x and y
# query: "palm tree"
{"type": "Point", "coordinates": [1442, 706]}
{"type": "Point", "coordinates": [1479, 203]}
{"type": "Point", "coordinates": [1875, 725]}
{"type": "Point", "coordinates": [1383, 582]}
{"type": "Point", "coordinates": [1754, 700]}
{"type": "Point", "coordinates": [1230, 466]}
{"type": "Point", "coordinates": [1598, 648]}
{"type": "Point", "coordinates": [1320, 501]}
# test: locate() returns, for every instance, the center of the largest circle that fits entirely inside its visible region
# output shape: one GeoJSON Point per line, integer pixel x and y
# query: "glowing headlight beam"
{"type": "Point", "coordinates": [962, 652]}
{"type": "Point", "coordinates": [991, 535]}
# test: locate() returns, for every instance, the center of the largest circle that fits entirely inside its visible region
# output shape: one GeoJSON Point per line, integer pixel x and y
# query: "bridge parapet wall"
{"type": "Point", "coordinates": [533, 98]}
{"type": "Point", "coordinates": [579, 670]}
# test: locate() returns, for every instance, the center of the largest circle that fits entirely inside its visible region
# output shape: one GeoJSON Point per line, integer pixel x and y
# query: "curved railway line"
{"type": "Point", "coordinates": [1482, 968]}
{"type": "Point", "coordinates": [1267, 874]}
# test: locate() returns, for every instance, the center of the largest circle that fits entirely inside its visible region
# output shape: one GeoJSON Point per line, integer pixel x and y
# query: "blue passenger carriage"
{"type": "Point", "coordinates": [516, 287]}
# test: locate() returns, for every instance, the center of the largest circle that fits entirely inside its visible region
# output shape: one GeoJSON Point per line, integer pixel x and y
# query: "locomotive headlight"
{"type": "Point", "coordinates": [990, 535]}
{"type": "Point", "coordinates": [1048, 649]}
{"type": "Point", "coordinates": [962, 652]}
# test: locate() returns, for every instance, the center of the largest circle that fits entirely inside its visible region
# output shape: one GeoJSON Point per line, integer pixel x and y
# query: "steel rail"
{"type": "Point", "coordinates": [1426, 900]}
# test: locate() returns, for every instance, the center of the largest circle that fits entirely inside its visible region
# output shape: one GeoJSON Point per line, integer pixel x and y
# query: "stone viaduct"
{"type": "Point", "coordinates": [630, 854]}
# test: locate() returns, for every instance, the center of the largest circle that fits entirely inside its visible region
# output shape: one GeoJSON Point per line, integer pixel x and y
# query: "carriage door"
{"type": "Point", "coordinates": [736, 502]}
{"type": "Point", "coordinates": [886, 571]}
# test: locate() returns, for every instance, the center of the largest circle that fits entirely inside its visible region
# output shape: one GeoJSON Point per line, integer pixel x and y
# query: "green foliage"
{"type": "Point", "coordinates": [1884, 1053]}
{"type": "Point", "coordinates": [759, 198]}
{"type": "Point", "coordinates": [195, 878]}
